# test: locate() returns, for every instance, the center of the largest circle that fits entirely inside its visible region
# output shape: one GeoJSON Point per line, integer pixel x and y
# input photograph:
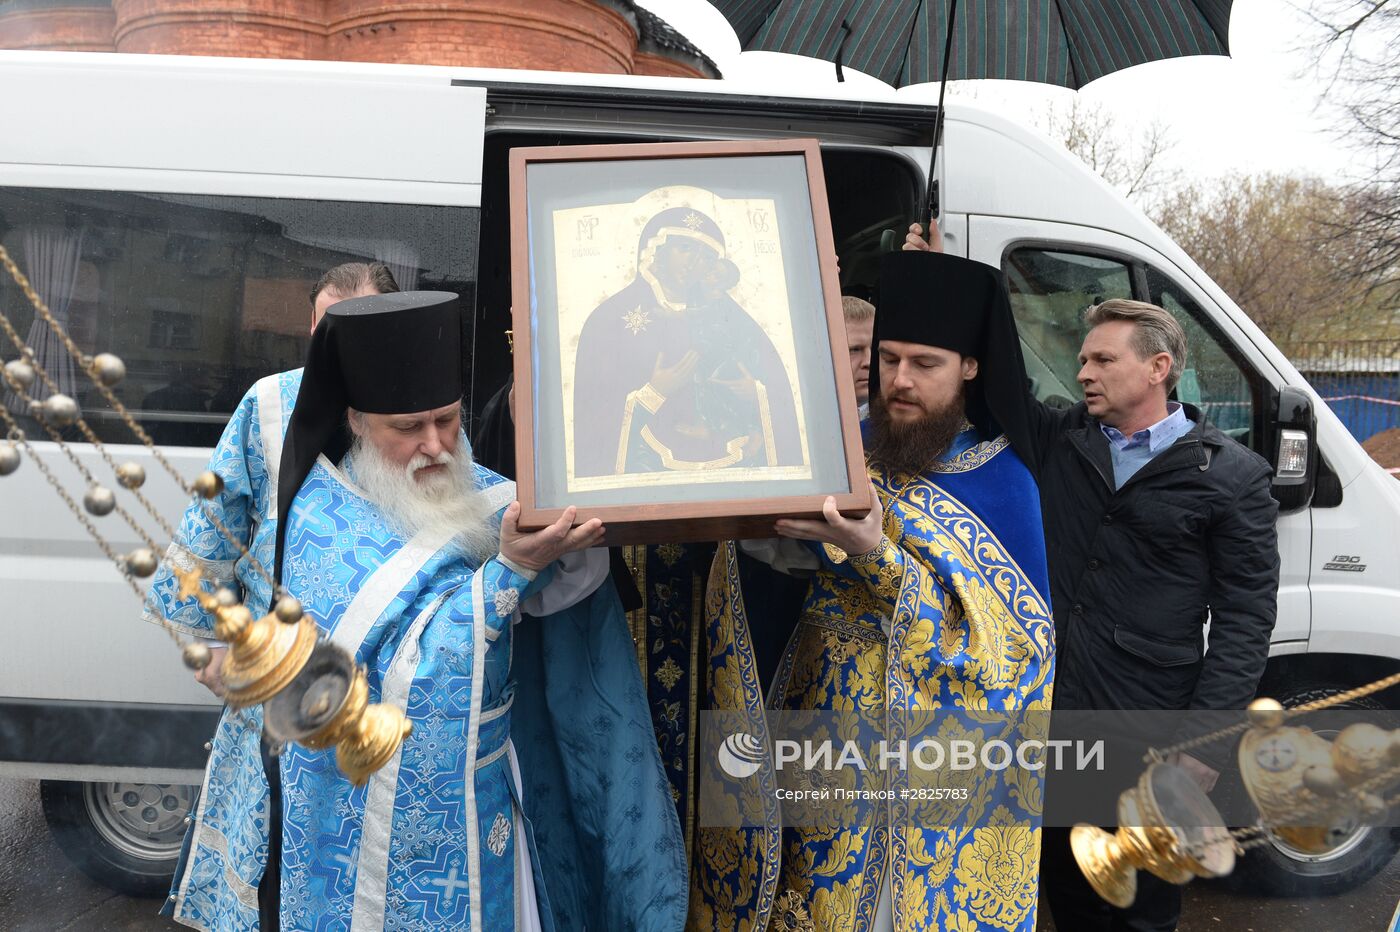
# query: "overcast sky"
{"type": "Point", "coordinates": [1258, 110]}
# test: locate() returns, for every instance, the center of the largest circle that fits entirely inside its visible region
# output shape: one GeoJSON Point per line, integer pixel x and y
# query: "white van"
{"type": "Point", "coordinates": [179, 210]}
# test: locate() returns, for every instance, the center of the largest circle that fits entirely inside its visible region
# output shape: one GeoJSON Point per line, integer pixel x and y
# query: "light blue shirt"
{"type": "Point", "coordinates": [1132, 453]}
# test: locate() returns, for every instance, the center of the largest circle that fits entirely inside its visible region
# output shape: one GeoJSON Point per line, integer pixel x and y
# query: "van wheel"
{"type": "Point", "coordinates": [126, 836]}
{"type": "Point", "coordinates": [1278, 869]}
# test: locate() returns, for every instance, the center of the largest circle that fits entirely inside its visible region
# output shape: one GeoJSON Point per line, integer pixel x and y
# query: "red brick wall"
{"type": "Point", "coordinates": [58, 29]}
{"type": "Point", "coordinates": [549, 35]}
{"type": "Point", "coordinates": [247, 28]}
{"type": "Point", "coordinates": [647, 63]}
{"type": "Point", "coordinates": [553, 35]}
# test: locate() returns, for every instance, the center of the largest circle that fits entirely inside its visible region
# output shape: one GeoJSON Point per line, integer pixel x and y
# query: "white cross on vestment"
{"type": "Point", "coordinates": [450, 883]}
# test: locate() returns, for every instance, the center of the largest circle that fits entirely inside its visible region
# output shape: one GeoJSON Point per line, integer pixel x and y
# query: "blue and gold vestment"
{"type": "Point", "coordinates": [947, 625]}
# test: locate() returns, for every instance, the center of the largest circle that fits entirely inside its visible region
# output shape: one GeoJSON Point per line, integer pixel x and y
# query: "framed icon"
{"type": "Point", "coordinates": [680, 357]}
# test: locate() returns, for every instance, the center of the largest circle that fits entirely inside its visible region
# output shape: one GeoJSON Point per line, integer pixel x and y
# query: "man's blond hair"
{"type": "Point", "coordinates": [1154, 331]}
{"type": "Point", "coordinates": [856, 310]}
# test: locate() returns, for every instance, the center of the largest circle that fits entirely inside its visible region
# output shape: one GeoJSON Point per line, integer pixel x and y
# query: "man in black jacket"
{"type": "Point", "coordinates": [1155, 523]}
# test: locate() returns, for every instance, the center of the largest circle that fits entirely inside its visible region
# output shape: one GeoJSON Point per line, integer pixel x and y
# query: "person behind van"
{"type": "Point", "coordinates": [860, 329]}
{"type": "Point", "coordinates": [350, 280]}
{"type": "Point", "coordinates": [1155, 523]}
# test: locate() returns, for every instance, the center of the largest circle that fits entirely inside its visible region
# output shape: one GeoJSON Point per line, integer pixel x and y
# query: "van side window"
{"type": "Point", "coordinates": [199, 295]}
{"type": "Point", "coordinates": [1212, 379]}
{"type": "Point", "coordinates": [1049, 291]}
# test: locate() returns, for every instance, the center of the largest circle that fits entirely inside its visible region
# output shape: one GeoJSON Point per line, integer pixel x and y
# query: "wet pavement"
{"type": "Point", "coordinates": [1366, 909]}
{"type": "Point", "coordinates": [41, 892]}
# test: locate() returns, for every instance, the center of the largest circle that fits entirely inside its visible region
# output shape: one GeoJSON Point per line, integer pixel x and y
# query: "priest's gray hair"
{"type": "Point", "coordinates": [1154, 331]}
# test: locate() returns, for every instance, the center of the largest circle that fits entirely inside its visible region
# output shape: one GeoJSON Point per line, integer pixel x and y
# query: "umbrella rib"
{"type": "Point", "coordinates": [909, 42]}
{"type": "Point", "coordinates": [1223, 40]}
{"type": "Point", "coordinates": [1069, 46]}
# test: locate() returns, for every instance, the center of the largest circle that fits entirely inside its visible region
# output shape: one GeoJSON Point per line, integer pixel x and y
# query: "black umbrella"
{"type": "Point", "coordinates": [1064, 42]}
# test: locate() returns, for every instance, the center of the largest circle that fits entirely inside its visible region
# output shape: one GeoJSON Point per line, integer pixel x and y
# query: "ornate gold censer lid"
{"type": "Point", "coordinates": [1312, 793]}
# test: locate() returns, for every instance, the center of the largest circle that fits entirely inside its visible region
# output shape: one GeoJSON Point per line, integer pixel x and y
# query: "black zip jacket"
{"type": "Point", "coordinates": [1136, 572]}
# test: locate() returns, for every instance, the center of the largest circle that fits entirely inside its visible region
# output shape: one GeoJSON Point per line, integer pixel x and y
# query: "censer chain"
{"type": "Point", "coordinates": [85, 363]}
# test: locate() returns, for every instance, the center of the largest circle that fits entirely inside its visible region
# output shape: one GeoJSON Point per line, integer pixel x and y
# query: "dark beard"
{"type": "Point", "coordinates": [913, 447]}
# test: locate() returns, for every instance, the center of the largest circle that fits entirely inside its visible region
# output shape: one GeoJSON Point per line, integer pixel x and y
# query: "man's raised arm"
{"type": "Point", "coordinates": [1045, 422]}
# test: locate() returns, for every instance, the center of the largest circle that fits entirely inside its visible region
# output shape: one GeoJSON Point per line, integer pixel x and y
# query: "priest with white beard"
{"type": "Point", "coordinates": [363, 498]}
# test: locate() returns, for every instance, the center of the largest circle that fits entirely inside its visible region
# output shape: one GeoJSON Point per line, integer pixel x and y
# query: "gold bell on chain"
{"type": "Point", "coordinates": [20, 372]}
{"type": "Point", "coordinates": [59, 410]}
{"type": "Point", "coordinates": [9, 458]}
{"type": "Point", "coordinates": [131, 475]}
{"type": "Point", "coordinates": [196, 656]}
{"type": "Point", "coordinates": [208, 484]}
{"type": "Point", "coordinates": [141, 562]}
{"type": "Point", "coordinates": [108, 369]}
{"type": "Point", "coordinates": [99, 501]}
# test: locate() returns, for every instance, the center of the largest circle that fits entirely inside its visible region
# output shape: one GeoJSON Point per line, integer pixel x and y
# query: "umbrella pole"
{"type": "Point", "coordinates": [931, 200]}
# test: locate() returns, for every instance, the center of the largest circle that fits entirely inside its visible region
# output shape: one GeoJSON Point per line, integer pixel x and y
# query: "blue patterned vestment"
{"type": "Point", "coordinates": [441, 837]}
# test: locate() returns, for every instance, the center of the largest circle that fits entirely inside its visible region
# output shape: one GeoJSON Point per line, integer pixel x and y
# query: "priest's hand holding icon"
{"type": "Point", "coordinates": [853, 535]}
{"type": "Point", "coordinates": [535, 550]}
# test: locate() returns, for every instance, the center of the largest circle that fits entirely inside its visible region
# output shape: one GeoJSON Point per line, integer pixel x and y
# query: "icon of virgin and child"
{"type": "Point", "coordinates": [672, 374]}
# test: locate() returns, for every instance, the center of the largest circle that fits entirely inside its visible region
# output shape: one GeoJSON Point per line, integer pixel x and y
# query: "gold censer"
{"type": "Point", "coordinates": [311, 690]}
{"type": "Point", "coordinates": [1167, 826]}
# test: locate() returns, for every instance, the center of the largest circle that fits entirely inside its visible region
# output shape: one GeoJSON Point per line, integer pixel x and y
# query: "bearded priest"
{"type": "Point", "coordinates": [363, 498]}
{"type": "Point", "coordinates": [930, 616]}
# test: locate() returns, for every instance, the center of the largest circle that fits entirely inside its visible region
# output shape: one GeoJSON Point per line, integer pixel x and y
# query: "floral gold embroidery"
{"type": "Point", "coordinates": [670, 553]}
{"type": "Point", "coordinates": [669, 673]}
{"type": "Point", "coordinates": [996, 873]}
{"type": "Point", "coordinates": [790, 915]}
{"type": "Point", "coordinates": [973, 457]}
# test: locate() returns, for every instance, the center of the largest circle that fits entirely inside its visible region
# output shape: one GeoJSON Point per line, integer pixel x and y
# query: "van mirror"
{"type": "Point", "coordinates": [1295, 453]}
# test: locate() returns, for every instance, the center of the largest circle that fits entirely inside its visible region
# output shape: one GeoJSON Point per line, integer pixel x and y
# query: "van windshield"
{"type": "Point", "coordinates": [200, 295]}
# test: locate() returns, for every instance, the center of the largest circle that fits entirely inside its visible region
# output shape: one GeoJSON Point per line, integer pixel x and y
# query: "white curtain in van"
{"type": "Point", "coordinates": [402, 260]}
{"type": "Point", "coordinates": [50, 258]}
